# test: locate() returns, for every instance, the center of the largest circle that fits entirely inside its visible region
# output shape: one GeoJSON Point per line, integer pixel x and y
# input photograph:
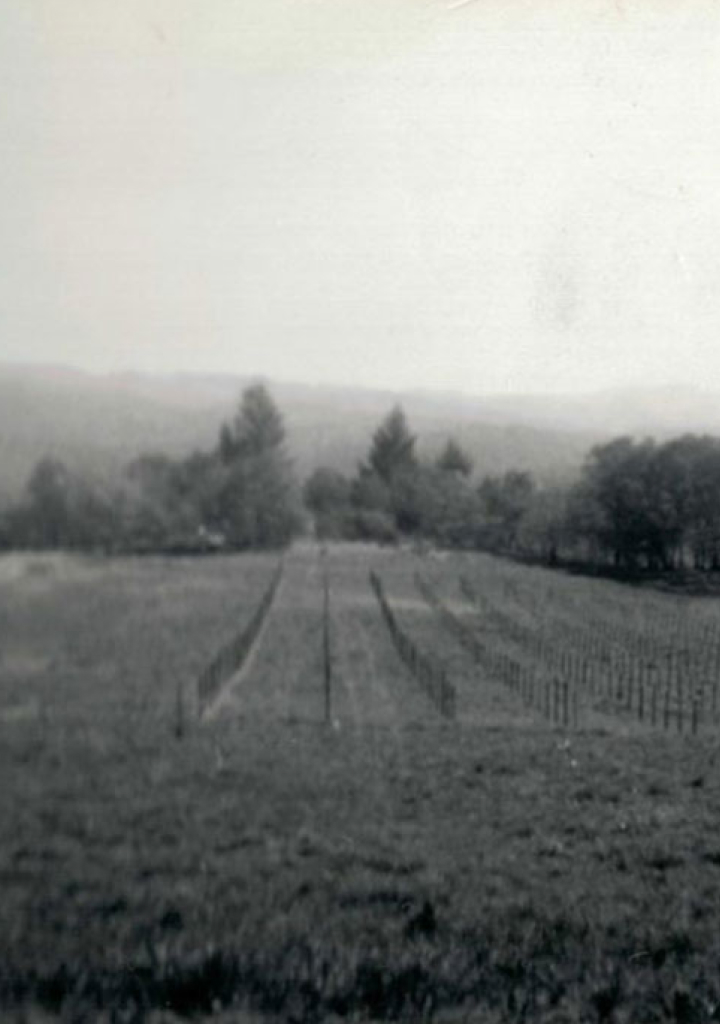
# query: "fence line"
{"type": "Point", "coordinates": [656, 673]}
{"type": "Point", "coordinates": [327, 646]}
{"type": "Point", "coordinates": [545, 694]}
{"type": "Point", "coordinates": [463, 633]}
{"type": "Point", "coordinates": [231, 657]}
{"type": "Point", "coordinates": [431, 676]}
{"type": "Point", "coordinates": [656, 689]}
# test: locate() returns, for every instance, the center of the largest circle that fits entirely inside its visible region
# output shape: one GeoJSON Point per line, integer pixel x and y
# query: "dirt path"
{"type": "Point", "coordinates": [227, 695]}
{"type": "Point", "coordinates": [282, 678]}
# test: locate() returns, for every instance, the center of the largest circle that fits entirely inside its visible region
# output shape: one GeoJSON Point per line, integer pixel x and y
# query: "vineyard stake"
{"type": "Point", "coordinates": [556, 700]}
{"type": "Point", "coordinates": [179, 712]}
{"type": "Point", "coordinates": [666, 709]}
{"type": "Point", "coordinates": [575, 708]}
{"type": "Point", "coordinates": [327, 665]}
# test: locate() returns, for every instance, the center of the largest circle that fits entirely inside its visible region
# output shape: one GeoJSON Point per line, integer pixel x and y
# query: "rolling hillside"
{"type": "Point", "coordinates": [99, 422]}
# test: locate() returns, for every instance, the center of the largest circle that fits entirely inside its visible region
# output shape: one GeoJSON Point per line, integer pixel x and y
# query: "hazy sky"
{"type": "Point", "coordinates": [490, 195]}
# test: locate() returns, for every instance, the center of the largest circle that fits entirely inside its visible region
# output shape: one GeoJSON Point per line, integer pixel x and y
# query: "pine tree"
{"type": "Point", "coordinates": [393, 447]}
{"type": "Point", "coordinates": [454, 459]}
{"type": "Point", "coordinates": [256, 504]}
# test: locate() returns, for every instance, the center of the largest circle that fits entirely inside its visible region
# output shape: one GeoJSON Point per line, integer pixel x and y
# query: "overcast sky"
{"type": "Point", "coordinates": [488, 196]}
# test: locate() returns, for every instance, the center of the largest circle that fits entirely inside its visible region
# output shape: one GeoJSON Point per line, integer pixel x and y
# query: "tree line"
{"type": "Point", "coordinates": [635, 505]}
{"type": "Point", "coordinates": [240, 494]}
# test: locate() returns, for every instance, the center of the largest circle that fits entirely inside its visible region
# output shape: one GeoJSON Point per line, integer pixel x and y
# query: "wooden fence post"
{"type": "Point", "coordinates": [666, 708]}
{"type": "Point", "coordinates": [576, 709]}
{"type": "Point", "coordinates": [327, 664]}
{"type": "Point", "coordinates": [179, 712]}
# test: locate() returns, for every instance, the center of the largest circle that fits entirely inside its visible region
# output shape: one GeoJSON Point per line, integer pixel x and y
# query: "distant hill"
{"type": "Point", "coordinates": [659, 412]}
{"type": "Point", "coordinates": [98, 422]}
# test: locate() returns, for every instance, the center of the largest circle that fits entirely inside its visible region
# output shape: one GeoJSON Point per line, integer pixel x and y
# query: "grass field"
{"type": "Point", "coordinates": [267, 864]}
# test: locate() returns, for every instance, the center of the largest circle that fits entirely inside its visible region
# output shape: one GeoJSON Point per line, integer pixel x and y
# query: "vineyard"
{"type": "Point", "coordinates": [582, 653]}
{"type": "Point", "coordinates": [355, 783]}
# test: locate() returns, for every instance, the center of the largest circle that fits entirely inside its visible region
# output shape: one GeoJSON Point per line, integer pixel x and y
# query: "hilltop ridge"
{"type": "Point", "coordinates": [99, 421]}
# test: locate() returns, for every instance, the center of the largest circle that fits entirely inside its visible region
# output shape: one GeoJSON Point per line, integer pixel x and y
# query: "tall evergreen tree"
{"type": "Point", "coordinates": [256, 502]}
{"type": "Point", "coordinates": [454, 459]}
{"type": "Point", "coordinates": [392, 451]}
{"type": "Point", "coordinates": [257, 428]}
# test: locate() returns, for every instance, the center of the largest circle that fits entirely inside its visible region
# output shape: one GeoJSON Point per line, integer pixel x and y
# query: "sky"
{"type": "Point", "coordinates": [474, 195]}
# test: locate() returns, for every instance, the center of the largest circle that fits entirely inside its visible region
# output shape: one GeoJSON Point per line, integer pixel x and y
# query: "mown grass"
{"type": "Point", "coordinates": [104, 644]}
{"type": "Point", "coordinates": [270, 865]}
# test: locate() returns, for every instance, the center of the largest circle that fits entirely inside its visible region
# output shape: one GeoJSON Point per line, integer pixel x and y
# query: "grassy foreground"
{"type": "Point", "coordinates": [270, 866]}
